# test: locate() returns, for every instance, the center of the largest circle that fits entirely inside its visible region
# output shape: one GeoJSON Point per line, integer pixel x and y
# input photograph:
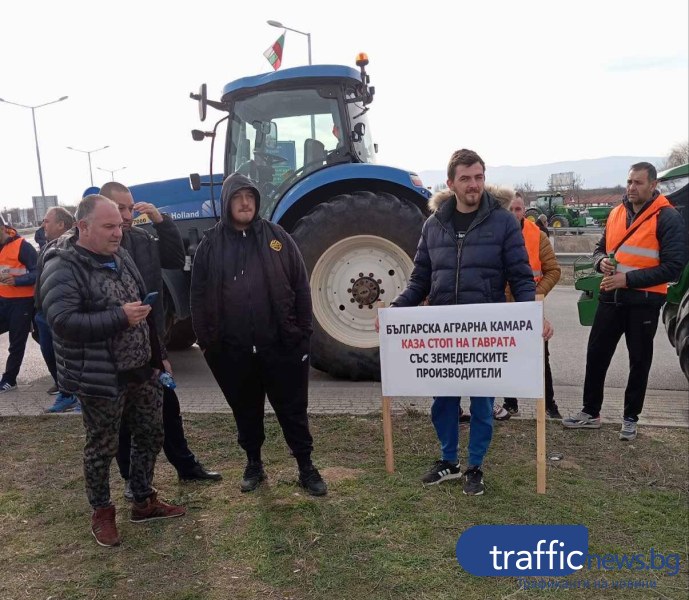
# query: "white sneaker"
{"type": "Point", "coordinates": [628, 431]}
{"type": "Point", "coordinates": [6, 386]}
{"type": "Point", "coordinates": [581, 421]}
{"type": "Point", "coordinates": [500, 413]}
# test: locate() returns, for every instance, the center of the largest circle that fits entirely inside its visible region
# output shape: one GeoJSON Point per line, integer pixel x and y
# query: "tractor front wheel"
{"type": "Point", "coordinates": [179, 335]}
{"type": "Point", "coordinates": [558, 221]}
{"type": "Point", "coordinates": [531, 214]}
{"type": "Point", "coordinates": [358, 249]}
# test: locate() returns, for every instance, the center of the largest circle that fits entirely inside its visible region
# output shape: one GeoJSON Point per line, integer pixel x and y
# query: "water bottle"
{"type": "Point", "coordinates": [611, 258]}
{"type": "Point", "coordinates": [167, 380]}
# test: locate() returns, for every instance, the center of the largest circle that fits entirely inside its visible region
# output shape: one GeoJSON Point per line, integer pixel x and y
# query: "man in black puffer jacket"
{"type": "Point", "coordinates": [90, 292]}
{"type": "Point", "coordinates": [469, 249]}
{"type": "Point", "coordinates": [151, 254]}
{"type": "Point", "coordinates": [251, 309]}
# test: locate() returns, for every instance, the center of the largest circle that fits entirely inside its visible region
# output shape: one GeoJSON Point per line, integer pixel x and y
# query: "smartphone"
{"type": "Point", "coordinates": [150, 298]}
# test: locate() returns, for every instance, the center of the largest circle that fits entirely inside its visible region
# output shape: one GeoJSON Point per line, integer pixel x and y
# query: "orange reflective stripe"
{"type": "Point", "coordinates": [640, 249]}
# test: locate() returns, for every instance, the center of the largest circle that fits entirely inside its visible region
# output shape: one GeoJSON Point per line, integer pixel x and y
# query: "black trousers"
{"type": "Point", "coordinates": [549, 390]}
{"type": "Point", "coordinates": [246, 378]}
{"type": "Point", "coordinates": [15, 317]}
{"type": "Point", "coordinates": [639, 325]}
{"type": "Point", "coordinates": [174, 444]}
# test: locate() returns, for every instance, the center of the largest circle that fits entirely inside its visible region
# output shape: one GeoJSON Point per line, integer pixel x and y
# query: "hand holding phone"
{"type": "Point", "coordinates": [150, 298]}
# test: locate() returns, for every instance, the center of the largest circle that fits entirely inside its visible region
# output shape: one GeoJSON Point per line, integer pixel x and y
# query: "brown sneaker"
{"type": "Point", "coordinates": [153, 509]}
{"type": "Point", "coordinates": [103, 526]}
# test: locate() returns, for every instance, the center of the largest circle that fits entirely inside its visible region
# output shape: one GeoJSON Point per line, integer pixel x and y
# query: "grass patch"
{"type": "Point", "coordinates": [374, 536]}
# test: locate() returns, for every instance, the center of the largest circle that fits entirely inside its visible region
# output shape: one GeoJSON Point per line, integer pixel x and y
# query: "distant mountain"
{"type": "Point", "coordinates": [606, 172]}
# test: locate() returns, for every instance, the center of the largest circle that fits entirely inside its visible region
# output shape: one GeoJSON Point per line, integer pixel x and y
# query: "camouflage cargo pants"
{"type": "Point", "coordinates": [141, 407]}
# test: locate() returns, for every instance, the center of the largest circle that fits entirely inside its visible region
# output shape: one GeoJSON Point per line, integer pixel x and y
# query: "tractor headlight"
{"type": "Point", "coordinates": [670, 186]}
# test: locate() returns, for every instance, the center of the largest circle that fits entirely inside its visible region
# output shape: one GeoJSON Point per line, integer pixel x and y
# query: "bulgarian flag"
{"type": "Point", "coordinates": [274, 53]}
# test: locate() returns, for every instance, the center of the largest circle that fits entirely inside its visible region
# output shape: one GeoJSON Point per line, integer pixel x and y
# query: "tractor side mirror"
{"type": "Point", "coordinates": [358, 132]}
{"type": "Point", "coordinates": [272, 136]}
{"type": "Point", "coordinates": [199, 136]}
{"type": "Point", "coordinates": [203, 101]}
{"type": "Point", "coordinates": [195, 181]}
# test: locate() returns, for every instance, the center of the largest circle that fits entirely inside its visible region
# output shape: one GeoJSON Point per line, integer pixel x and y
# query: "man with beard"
{"type": "Point", "coordinates": [470, 248]}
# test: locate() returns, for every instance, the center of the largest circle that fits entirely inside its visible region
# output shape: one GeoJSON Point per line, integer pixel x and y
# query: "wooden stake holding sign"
{"type": "Point", "coordinates": [387, 424]}
{"type": "Point", "coordinates": [540, 430]}
{"type": "Point", "coordinates": [527, 386]}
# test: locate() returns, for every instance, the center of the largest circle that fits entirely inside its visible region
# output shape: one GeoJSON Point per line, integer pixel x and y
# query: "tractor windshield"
{"type": "Point", "coordinates": [278, 137]}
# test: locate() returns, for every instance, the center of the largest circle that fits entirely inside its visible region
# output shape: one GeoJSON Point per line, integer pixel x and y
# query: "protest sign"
{"type": "Point", "coordinates": [463, 350]}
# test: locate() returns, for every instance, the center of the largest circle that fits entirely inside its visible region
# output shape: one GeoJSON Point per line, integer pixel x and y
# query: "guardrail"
{"type": "Point", "coordinates": [567, 259]}
{"type": "Point", "coordinates": [575, 230]}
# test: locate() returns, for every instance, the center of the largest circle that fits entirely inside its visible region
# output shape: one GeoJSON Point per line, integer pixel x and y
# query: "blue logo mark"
{"type": "Point", "coordinates": [523, 550]}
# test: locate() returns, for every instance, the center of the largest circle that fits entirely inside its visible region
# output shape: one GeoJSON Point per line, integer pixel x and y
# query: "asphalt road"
{"type": "Point", "coordinates": [568, 356]}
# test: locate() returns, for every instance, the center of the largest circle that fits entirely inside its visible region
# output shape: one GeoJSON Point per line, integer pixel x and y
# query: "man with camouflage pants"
{"type": "Point", "coordinates": [90, 292]}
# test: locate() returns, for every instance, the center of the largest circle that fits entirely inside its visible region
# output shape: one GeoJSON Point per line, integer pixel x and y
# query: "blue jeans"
{"type": "Point", "coordinates": [45, 339]}
{"type": "Point", "coordinates": [445, 417]}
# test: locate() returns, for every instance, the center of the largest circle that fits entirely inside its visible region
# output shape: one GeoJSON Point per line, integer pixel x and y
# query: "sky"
{"type": "Point", "coordinates": [521, 82]}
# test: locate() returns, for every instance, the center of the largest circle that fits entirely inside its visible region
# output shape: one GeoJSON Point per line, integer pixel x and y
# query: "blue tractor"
{"type": "Point", "coordinates": [303, 135]}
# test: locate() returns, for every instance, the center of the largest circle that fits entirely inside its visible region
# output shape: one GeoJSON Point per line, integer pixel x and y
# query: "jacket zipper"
{"type": "Point", "coordinates": [248, 292]}
{"type": "Point", "coordinates": [459, 248]}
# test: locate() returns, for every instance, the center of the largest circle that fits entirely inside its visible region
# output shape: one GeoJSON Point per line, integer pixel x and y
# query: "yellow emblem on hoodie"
{"type": "Point", "coordinates": [276, 245]}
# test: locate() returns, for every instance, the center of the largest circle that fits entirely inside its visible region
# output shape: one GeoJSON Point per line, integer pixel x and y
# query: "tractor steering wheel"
{"type": "Point", "coordinates": [271, 159]}
{"type": "Point", "coordinates": [295, 175]}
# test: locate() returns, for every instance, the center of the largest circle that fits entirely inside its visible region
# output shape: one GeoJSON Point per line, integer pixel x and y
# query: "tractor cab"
{"type": "Point", "coordinates": [285, 125]}
{"type": "Point", "coordinates": [303, 136]}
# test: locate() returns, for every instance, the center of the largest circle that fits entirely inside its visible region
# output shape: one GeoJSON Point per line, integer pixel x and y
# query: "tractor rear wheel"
{"type": "Point", "coordinates": [682, 334]}
{"type": "Point", "coordinates": [358, 249]}
{"type": "Point", "coordinates": [558, 221]}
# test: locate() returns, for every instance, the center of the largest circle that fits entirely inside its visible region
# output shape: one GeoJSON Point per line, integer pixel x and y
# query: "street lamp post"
{"type": "Point", "coordinates": [308, 39]}
{"type": "Point", "coordinates": [111, 171]}
{"type": "Point", "coordinates": [35, 134]}
{"type": "Point", "coordinates": [89, 153]}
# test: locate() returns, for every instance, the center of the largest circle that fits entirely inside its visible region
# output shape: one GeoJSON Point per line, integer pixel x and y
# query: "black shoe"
{"type": "Point", "coordinates": [199, 473]}
{"type": "Point", "coordinates": [552, 412]}
{"type": "Point", "coordinates": [473, 483]}
{"type": "Point", "coordinates": [310, 479]}
{"type": "Point", "coordinates": [253, 476]}
{"type": "Point", "coordinates": [441, 471]}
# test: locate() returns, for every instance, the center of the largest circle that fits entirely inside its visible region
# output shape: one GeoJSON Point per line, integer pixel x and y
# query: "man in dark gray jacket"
{"type": "Point", "coordinates": [251, 308]}
{"type": "Point", "coordinates": [90, 292]}
{"type": "Point", "coordinates": [151, 254]}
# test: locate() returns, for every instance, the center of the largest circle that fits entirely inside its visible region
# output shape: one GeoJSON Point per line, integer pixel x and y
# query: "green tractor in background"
{"type": "Point", "coordinates": [599, 213]}
{"type": "Point", "coordinates": [559, 215]}
{"type": "Point", "coordinates": [674, 185]}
